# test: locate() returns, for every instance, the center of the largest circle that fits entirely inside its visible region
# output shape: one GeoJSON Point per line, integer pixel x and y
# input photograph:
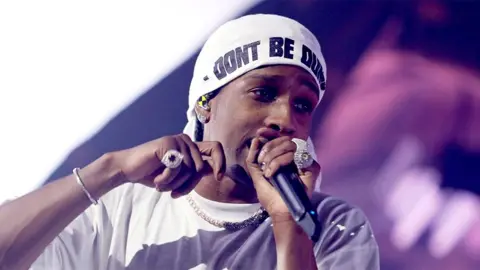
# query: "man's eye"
{"type": "Point", "coordinates": [265, 94]}
{"type": "Point", "coordinates": [304, 106]}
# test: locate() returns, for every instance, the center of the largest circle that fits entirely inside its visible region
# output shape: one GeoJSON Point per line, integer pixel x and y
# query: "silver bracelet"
{"type": "Point", "coordinates": [80, 182]}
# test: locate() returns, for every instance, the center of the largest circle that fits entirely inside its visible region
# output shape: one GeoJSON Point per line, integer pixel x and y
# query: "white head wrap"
{"type": "Point", "coordinates": [250, 42]}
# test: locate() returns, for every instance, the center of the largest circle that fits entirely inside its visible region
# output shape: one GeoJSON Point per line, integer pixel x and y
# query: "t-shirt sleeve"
{"type": "Point", "coordinates": [347, 241]}
{"type": "Point", "coordinates": [85, 243]}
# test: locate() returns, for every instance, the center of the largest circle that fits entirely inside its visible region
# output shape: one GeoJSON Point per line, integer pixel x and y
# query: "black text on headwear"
{"type": "Point", "coordinates": [235, 59]}
{"type": "Point", "coordinates": [278, 47]}
{"type": "Point", "coordinates": [311, 61]}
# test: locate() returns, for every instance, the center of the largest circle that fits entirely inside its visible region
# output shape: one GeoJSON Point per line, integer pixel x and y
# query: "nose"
{"type": "Point", "coordinates": [281, 119]}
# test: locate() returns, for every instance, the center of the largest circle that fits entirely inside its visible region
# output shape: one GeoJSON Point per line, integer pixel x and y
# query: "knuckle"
{"type": "Point", "coordinates": [159, 181]}
{"type": "Point", "coordinates": [264, 151]}
{"type": "Point", "coordinates": [168, 138]}
{"type": "Point", "coordinates": [268, 144]}
{"type": "Point", "coordinates": [200, 166]}
{"type": "Point", "coordinates": [167, 141]}
{"type": "Point", "coordinates": [263, 156]}
{"type": "Point", "coordinates": [194, 147]}
{"type": "Point", "coordinates": [266, 148]}
{"type": "Point", "coordinates": [185, 137]}
{"type": "Point", "coordinates": [110, 156]}
{"type": "Point", "coordinates": [217, 145]}
{"type": "Point", "coordinates": [274, 164]}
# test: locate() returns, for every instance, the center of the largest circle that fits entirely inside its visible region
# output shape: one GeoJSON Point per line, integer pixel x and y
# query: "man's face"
{"type": "Point", "coordinates": [270, 102]}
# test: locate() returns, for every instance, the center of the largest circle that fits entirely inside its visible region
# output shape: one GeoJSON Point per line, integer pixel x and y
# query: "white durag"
{"type": "Point", "coordinates": [250, 42]}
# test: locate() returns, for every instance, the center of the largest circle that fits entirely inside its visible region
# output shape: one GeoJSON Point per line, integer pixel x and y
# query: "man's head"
{"type": "Point", "coordinates": [256, 75]}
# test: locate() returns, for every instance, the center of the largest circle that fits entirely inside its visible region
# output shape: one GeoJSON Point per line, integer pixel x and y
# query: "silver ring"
{"type": "Point", "coordinates": [302, 158]}
{"type": "Point", "coordinates": [262, 166]}
{"type": "Point", "coordinates": [172, 159]}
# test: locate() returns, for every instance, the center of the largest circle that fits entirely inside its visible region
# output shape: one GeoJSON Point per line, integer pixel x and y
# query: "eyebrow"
{"type": "Point", "coordinates": [275, 78]}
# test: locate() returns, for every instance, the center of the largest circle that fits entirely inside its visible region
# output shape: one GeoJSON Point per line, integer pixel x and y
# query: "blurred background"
{"type": "Point", "coordinates": [397, 134]}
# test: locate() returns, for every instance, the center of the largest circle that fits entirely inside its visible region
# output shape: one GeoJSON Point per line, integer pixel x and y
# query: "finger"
{"type": "Point", "coordinates": [309, 175]}
{"type": "Point", "coordinates": [147, 182]}
{"type": "Point", "coordinates": [188, 185]}
{"type": "Point", "coordinates": [275, 164]}
{"type": "Point", "coordinates": [187, 159]}
{"type": "Point", "coordinates": [195, 152]}
{"type": "Point", "coordinates": [210, 164]}
{"type": "Point", "coordinates": [252, 165]}
{"type": "Point", "coordinates": [166, 176]}
{"type": "Point", "coordinates": [283, 147]}
{"type": "Point", "coordinates": [271, 145]}
{"type": "Point", "coordinates": [253, 152]}
{"type": "Point", "coordinates": [181, 178]}
{"type": "Point", "coordinates": [149, 178]}
{"type": "Point", "coordinates": [215, 151]}
{"type": "Point", "coordinates": [162, 149]}
{"type": "Point", "coordinates": [259, 180]}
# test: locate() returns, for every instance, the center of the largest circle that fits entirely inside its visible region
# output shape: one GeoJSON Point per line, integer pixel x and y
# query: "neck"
{"type": "Point", "coordinates": [226, 190]}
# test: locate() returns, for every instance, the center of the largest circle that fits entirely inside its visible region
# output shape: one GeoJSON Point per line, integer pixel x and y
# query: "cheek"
{"type": "Point", "coordinates": [240, 111]}
{"type": "Point", "coordinates": [304, 129]}
{"type": "Point", "coordinates": [234, 127]}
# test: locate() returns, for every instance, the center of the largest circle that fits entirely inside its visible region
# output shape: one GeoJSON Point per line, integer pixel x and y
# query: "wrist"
{"type": "Point", "coordinates": [101, 176]}
{"type": "Point", "coordinates": [287, 233]}
{"type": "Point", "coordinates": [294, 248]}
{"type": "Point", "coordinates": [281, 219]}
{"type": "Point", "coordinates": [287, 228]}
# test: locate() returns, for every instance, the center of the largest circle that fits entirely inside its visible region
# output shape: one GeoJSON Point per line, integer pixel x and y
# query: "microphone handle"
{"type": "Point", "coordinates": [288, 184]}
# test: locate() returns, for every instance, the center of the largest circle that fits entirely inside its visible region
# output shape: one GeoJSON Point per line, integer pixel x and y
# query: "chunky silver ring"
{"type": "Point", "coordinates": [302, 157]}
{"type": "Point", "coordinates": [172, 159]}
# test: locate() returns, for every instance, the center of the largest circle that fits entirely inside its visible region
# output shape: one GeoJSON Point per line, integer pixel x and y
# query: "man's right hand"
{"type": "Point", "coordinates": [142, 164]}
{"type": "Point", "coordinates": [39, 216]}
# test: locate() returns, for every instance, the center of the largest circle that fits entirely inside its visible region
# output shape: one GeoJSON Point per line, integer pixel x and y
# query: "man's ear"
{"type": "Point", "coordinates": [203, 113]}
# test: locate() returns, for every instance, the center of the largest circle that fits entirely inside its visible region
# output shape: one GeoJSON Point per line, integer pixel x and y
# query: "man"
{"type": "Point", "coordinates": [174, 203]}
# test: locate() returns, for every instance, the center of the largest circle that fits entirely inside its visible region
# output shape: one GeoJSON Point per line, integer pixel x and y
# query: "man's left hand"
{"type": "Point", "coordinates": [263, 161]}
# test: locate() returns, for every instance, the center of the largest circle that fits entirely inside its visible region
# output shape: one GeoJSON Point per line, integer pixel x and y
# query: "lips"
{"type": "Point", "coordinates": [267, 134]}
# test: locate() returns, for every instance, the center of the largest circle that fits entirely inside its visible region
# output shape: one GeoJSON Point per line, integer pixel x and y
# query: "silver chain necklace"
{"type": "Point", "coordinates": [255, 220]}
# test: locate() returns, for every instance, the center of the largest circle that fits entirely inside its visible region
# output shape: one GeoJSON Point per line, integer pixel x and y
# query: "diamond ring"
{"type": "Point", "coordinates": [172, 159]}
{"type": "Point", "coordinates": [302, 157]}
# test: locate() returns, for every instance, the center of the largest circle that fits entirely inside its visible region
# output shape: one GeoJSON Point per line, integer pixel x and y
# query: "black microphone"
{"type": "Point", "coordinates": [291, 189]}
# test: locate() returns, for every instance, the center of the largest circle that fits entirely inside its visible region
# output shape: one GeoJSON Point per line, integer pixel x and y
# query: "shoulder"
{"type": "Point", "coordinates": [331, 208]}
{"type": "Point", "coordinates": [346, 232]}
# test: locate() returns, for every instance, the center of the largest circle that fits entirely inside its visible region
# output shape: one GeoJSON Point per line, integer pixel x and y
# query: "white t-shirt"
{"type": "Point", "coordinates": [136, 227]}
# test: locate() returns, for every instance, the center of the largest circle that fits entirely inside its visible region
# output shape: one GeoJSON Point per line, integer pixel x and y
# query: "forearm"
{"type": "Point", "coordinates": [28, 224]}
{"type": "Point", "coordinates": [294, 248]}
